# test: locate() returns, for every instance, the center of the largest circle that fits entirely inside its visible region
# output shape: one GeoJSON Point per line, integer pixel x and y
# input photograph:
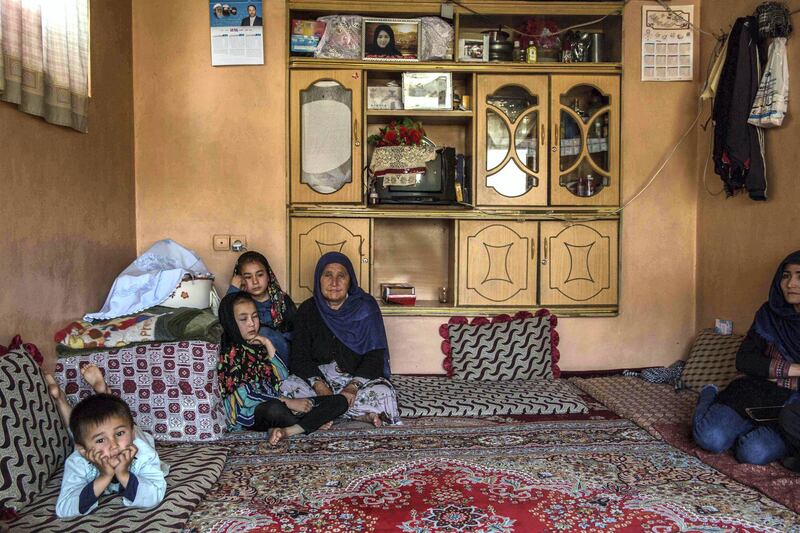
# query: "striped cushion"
{"type": "Point", "coordinates": [502, 351]}
{"type": "Point", "coordinates": [34, 440]}
{"type": "Point", "coordinates": [193, 471]}
{"type": "Point", "coordinates": [712, 359]}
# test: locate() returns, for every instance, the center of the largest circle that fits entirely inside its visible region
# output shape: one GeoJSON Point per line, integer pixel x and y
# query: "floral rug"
{"type": "Point", "coordinates": [586, 475]}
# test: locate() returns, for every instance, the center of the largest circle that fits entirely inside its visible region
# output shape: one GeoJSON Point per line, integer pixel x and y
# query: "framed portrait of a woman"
{"type": "Point", "coordinates": [390, 39]}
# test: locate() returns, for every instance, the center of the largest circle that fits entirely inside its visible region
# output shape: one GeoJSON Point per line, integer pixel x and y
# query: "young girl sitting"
{"type": "Point", "coordinates": [251, 374]}
{"type": "Point", "coordinates": [276, 309]}
{"type": "Point", "coordinates": [112, 455]}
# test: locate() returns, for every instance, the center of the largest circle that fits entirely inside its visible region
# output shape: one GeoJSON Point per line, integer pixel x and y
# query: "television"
{"type": "Point", "coordinates": [435, 186]}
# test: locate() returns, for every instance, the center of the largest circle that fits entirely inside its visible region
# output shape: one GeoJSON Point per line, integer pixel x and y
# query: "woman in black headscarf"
{"type": "Point", "coordinates": [770, 356]}
{"type": "Point", "coordinates": [383, 42]}
{"type": "Point", "coordinates": [340, 344]}
{"type": "Point", "coordinates": [251, 376]}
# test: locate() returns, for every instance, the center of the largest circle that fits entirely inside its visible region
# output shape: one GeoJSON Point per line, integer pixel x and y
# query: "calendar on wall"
{"type": "Point", "coordinates": [667, 43]}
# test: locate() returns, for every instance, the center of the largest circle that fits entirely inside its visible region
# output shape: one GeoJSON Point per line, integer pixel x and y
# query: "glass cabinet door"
{"type": "Point", "coordinates": [512, 116]}
{"type": "Point", "coordinates": [585, 140]}
{"type": "Point", "coordinates": [325, 137]}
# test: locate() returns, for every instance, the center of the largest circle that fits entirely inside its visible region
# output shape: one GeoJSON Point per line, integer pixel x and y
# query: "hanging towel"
{"type": "Point", "coordinates": [149, 280]}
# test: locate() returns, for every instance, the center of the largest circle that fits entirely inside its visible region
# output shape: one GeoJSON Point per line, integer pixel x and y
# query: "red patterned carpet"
{"type": "Point", "coordinates": [480, 476]}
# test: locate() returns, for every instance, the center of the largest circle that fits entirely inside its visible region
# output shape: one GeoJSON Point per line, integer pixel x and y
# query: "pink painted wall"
{"type": "Point", "coordinates": [68, 223]}
{"type": "Point", "coordinates": [740, 242]}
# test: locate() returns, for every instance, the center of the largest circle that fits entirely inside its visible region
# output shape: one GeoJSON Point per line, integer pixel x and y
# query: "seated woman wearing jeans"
{"type": "Point", "coordinates": [770, 356]}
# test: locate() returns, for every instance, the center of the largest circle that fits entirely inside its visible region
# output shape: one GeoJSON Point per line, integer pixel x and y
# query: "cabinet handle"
{"type": "Point", "coordinates": [544, 255]}
{"type": "Point", "coordinates": [355, 133]}
{"type": "Point", "coordinates": [556, 140]}
{"type": "Point", "coordinates": [542, 140]}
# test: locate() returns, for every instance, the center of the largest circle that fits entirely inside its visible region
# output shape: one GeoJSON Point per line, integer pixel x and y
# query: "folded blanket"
{"type": "Point", "coordinates": [156, 324]}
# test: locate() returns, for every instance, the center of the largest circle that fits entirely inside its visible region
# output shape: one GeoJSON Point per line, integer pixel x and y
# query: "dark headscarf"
{"type": "Point", "coordinates": [390, 49]}
{"type": "Point", "coordinates": [358, 323]}
{"type": "Point", "coordinates": [777, 321]}
{"type": "Point", "coordinates": [282, 305]}
{"type": "Point", "coordinates": [240, 362]}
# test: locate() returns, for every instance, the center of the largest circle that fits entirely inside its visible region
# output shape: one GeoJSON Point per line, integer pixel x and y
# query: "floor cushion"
{"type": "Point", "coordinates": [501, 348]}
{"type": "Point", "coordinates": [193, 471]}
{"type": "Point", "coordinates": [442, 396]}
{"type": "Point", "coordinates": [34, 440]}
{"type": "Point", "coordinates": [712, 359]}
{"type": "Point", "coordinates": [171, 387]}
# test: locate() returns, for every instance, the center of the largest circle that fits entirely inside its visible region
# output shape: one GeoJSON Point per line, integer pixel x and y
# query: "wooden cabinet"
{"type": "Point", "coordinates": [536, 143]}
{"type": "Point", "coordinates": [579, 263]}
{"type": "Point", "coordinates": [511, 166]}
{"type": "Point", "coordinates": [584, 164]}
{"type": "Point", "coordinates": [497, 262]}
{"type": "Point", "coordinates": [325, 159]}
{"type": "Point", "coordinates": [313, 237]}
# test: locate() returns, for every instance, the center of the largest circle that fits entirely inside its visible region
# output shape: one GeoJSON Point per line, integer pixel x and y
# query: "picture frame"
{"type": "Point", "coordinates": [390, 39]}
{"type": "Point", "coordinates": [428, 90]}
{"type": "Point", "coordinates": [474, 49]}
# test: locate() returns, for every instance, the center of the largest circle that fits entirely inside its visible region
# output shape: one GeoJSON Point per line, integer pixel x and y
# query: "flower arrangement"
{"type": "Point", "coordinates": [405, 132]}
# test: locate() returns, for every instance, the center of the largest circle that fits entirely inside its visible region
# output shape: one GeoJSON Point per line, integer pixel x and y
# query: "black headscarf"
{"type": "Point", "coordinates": [390, 49]}
{"type": "Point", "coordinates": [778, 321]}
{"type": "Point", "coordinates": [240, 362]}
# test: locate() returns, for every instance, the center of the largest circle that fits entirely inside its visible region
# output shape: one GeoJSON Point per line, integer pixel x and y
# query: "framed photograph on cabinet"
{"type": "Point", "coordinates": [428, 90]}
{"type": "Point", "coordinates": [475, 49]}
{"type": "Point", "coordinates": [389, 39]}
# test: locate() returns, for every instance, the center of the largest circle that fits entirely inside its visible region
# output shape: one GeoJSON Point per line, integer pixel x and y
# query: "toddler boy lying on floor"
{"type": "Point", "coordinates": [112, 455]}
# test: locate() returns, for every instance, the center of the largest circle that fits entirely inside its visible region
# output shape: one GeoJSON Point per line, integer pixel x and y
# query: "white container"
{"type": "Point", "coordinates": [191, 292]}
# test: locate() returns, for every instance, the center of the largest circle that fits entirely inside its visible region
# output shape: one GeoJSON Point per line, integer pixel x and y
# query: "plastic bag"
{"type": "Point", "coordinates": [772, 97]}
{"type": "Point", "coordinates": [437, 39]}
{"type": "Point", "coordinates": [342, 37]}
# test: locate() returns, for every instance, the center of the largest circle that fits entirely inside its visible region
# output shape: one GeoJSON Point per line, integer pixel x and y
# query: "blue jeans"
{"type": "Point", "coordinates": [717, 428]}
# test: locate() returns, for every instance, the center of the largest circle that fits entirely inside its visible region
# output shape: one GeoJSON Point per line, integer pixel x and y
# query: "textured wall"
{"type": "Point", "coordinates": [211, 158]}
{"type": "Point", "coordinates": [739, 241]}
{"type": "Point", "coordinates": [68, 222]}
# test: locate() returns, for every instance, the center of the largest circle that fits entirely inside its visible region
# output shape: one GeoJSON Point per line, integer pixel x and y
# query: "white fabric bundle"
{"type": "Point", "coordinates": [772, 97]}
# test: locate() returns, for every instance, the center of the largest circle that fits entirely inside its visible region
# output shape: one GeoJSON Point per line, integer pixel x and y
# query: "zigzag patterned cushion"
{"type": "Point", "coordinates": [34, 440]}
{"type": "Point", "coordinates": [519, 348]}
{"type": "Point", "coordinates": [712, 359]}
{"type": "Point", "coordinates": [193, 472]}
{"type": "Point", "coordinates": [441, 396]}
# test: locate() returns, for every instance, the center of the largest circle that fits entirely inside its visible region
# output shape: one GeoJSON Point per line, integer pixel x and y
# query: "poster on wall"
{"type": "Point", "coordinates": [237, 33]}
{"type": "Point", "coordinates": [667, 43]}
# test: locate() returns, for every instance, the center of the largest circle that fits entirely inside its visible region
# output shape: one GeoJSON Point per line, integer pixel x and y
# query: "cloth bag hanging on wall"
{"type": "Point", "coordinates": [772, 97]}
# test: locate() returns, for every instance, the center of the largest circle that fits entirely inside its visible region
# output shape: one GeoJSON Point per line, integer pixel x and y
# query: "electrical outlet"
{"type": "Point", "coordinates": [238, 243]}
{"type": "Point", "coordinates": [222, 243]}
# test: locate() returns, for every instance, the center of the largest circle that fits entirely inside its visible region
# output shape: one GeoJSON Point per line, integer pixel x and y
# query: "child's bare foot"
{"type": "Point", "coordinates": [276, 435]}
{"type": "Point", "coordinates": [94, 377]}
{"type": "Point", "coordinates": [372, 418]}
{"type": "Point", "coordinates": [63, 406]}
{"type": "Point", "coordinates": [326, 425]}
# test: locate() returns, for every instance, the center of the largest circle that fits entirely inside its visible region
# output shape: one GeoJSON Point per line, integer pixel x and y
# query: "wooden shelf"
{"type": "Point", "coordinates": [431, 117]}
{"type": "Point", "coordinates": [456, 212]}
{"type": "Point", "coordinates": [465, 7]}
{"type": "Point", "coordinates": [454, 66]}
{"type": "Point", "coordinates": [434, 308]}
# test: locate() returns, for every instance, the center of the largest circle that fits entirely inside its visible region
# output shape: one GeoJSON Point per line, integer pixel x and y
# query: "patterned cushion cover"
{"type": "Point", "coordinates": [34, 441]}
{"type": "Point", "coordinates": [171, 387]}
{"type": "Point", "coordinates": [440, 396]}
{"type": "Point", "coordinates": [505, 348]}
{"type": "Point", "coordinates": [712, 359]}
{"type": "Point", "coordinates": [192, 473]}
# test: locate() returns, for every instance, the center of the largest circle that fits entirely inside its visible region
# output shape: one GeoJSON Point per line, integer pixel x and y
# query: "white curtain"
{"type": "Point", "coordinates": [44, 59]}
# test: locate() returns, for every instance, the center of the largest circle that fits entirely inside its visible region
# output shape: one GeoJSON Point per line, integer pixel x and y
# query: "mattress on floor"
{"type": "Point", "coordinates": [645, 403]}
{"type": "Point", "coordinates": [171, 387]}
{"type": "Point", "coordinates": [442, 396]}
